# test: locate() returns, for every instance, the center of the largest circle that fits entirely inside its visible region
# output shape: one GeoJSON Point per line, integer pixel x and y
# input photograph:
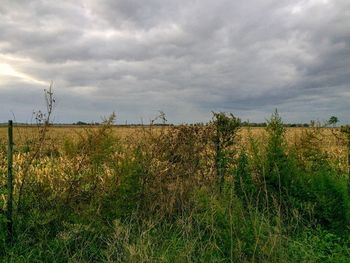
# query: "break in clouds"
{"type": "Point", "coordinates": [186, 58]}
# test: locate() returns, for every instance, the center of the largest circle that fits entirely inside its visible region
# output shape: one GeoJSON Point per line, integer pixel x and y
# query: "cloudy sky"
{"type": "Point", "coordinates": [186, 58]}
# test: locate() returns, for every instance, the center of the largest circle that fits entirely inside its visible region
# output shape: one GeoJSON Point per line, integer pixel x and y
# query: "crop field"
{"type": "Point", "coordinates": [217, 192]}
{"type": "Point", "coordinates": [329, 139]}
{"type": "Point", "coordinates": [329, 136]}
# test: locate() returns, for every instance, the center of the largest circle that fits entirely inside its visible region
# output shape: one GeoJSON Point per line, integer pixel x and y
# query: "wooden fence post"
{"type": "Point", "coordinates": [348, 160]}
{"type": "Point", "coordinates": [9, 183]}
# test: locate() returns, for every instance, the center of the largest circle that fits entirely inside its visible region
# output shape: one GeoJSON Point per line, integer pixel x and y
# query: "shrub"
{"type": "Point", "coordinates": [176, 160]}
{"type": "Point", "coordinates": [244, 184]}
{"type": "Point", "coordinates": [224, 138]}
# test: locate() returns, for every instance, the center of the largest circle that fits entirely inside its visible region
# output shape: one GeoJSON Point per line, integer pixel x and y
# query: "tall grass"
{"type": "Point", "coordinates": [154, 197]}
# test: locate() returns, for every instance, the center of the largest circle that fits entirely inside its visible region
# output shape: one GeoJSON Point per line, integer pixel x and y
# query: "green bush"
{"type": "Point", "coordinates": [130, 192]}
{"type": "Point", "coordinates": [332, 204]}
{"type": "Point", "coordinates": [244, 185]}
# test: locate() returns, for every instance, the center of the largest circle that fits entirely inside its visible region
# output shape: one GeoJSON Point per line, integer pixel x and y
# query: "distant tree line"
{"type": "Point", "coordinates": [333, 120]}
{"type": "Point", "coordinates": [82, 123]}
{"type": "Point", "coordinates": [264, 124]}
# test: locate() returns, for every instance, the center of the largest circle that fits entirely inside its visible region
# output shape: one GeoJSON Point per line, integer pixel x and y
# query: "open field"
{"type": "Point", "coordinates": [329, 138]}
{"type": "Point", "coordinates": [72, 131]}
{"type": "Point", "coordinates": [182, 193]}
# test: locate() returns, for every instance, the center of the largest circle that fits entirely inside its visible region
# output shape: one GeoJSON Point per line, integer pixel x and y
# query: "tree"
{"type": "Point", "coordinates": [333, 121]}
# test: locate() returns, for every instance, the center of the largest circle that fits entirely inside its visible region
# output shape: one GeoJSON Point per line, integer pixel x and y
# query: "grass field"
{"type": "Point", "coordinates": [72, 131]}
{"type": "Point", "coordinates": [329, 138]}
{"type": "Point", "coordinates": [212, 193]}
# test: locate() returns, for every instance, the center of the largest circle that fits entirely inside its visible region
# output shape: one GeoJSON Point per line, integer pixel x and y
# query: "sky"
{"type": "Point", "coordinates": [185, 58]}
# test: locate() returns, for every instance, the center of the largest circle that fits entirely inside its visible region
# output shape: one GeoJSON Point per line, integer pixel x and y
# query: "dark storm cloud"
{"type": "Point", "coordinates": [184, 57]}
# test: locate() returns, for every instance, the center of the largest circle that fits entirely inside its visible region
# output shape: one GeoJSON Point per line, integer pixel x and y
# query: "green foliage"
{"type": "Point", "coordinates": [224, 138]}
{"type": "Point", "coordinates": [331, 202]}
{"type": "Point", "coordinates": [296, 180]}
{"type": "Point", "coordinates": [101, 199]}
{"type": "Point", "coordinates": [130, 190]}
{"type": "Point", "coordinates": [333, 120]}
{"type": "Point", "coordinates": [226, 127]}
{"type": "Point", "coordinates": [277, 168]}
{"type": "Point", "coordinates": [244, 184]}
{"type": "Point", "coordinates": [96, 146]}
{"type": "Point", "coordinates": [95, 151]}
{"type": "Point", "coordinates": [318, 187]}
{"type": "Point", "coordinates": [319, 246]}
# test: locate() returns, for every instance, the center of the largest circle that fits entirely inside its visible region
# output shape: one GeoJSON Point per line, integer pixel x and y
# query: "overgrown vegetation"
{"type": "Point", "coordinates": [187, 193]}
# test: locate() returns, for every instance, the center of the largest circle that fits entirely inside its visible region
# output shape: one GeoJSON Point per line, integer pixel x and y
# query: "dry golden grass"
{"type": "Point", "coordinates": [59, 133]}
{"type": "Point", "coordinates": [329, 140]}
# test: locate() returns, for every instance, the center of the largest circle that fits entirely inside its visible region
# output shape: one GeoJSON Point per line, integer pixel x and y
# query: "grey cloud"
{"type": "Point", "coordinates": [184, 57]}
